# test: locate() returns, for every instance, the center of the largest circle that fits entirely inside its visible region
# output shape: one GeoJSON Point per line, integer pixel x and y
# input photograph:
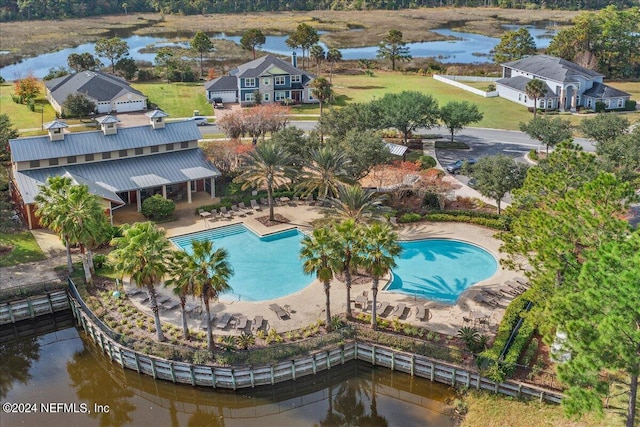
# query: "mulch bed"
{"type": "Point", "coordinates": [277, 220]}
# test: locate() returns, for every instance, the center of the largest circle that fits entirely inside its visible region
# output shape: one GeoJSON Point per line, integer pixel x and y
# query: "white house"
{"type": "Point", "coordinates": [274, 79]}
{"type": "Point", "coordinates": [111, 94]}
{"type": "Point", "coordinates": [569, 85]}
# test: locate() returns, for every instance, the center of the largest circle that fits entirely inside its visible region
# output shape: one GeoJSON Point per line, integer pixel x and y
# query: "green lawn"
{"type": "Point", "coordinates": [20, 115]}
{"type": "Point", "coordinates": [25, 248]}
{"type": "Point", "coordinates": [177, 99]}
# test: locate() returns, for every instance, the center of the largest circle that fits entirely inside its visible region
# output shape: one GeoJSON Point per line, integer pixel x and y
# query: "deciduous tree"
{"type": "Point", "coordinates": [78, 105]}
{"type": "Point", "coordinates": [164, 58]}
{"type": "Point", "coordinates": [497, 175]}
{"type": "Point", "coordinates": [83, 61]}
{"type": "Point", "coordinates": [112, 49]}
{"type": "Point", "coordinates": [407, 111]}
{"type": "Point", "coordinates": [365, 149]}
{"type": "Point", "coordinates": [251, 40]}
{"type": "Point", "coordinates": [304, 37]}
{"type": "Point", "coordinates": [514, 45]}
{"type": "Point", "coordinates": [549, 131]}
{"type": "Point", "coordinates": [393, 48]}
{"type": "Point", "coordinates": [604, 128]}
{"type": "Point", "coordinates": [127, 68]}
{"type": "Point", "coordinates": [27, 87]}
{"type": "Point", "coordinates": [456, 115]}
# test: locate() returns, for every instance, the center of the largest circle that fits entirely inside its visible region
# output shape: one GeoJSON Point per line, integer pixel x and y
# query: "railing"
{"type": "Point", "coordinates": [33, 289]}
{"type": "Point", "coordinates": [32, 307]}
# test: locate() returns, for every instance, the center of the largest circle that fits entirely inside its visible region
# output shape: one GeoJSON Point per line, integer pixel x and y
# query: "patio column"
{"type": "Point", "coordinates": [28, 209]}
{"type": "Point", "coordinates": [188, 191]}
{"type": "Point", "coordinates": [138, 200]}
{"type": "Point", "coordinates": [213, 187]}
{"type": "Point", "coordinates": [164, 191]}
{"type": "Point", "coordinates": [573, 100]}
{"type": "Point", "coordinates": [561, 101]}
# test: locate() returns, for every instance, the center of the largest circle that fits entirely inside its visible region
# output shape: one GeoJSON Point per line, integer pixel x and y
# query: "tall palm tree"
{"type": "Point", "coordinates": [269, 165]}
{"type": "Point", "coordinates": [317, 252]}
{"type": "Point", "coordinates": [333, 56]}
{"type": "Point", "coordinates": [535, 89]}
{"type": "Point", "coordinates": [321, 90]}
{"type": "Point", "coordinates": [356, 203]}
{"type": "Point", "coordinates": [379, 254]}
{"type": "Point", "coordinates": [207, 272]}
{"type": "Point", "coordinates": [180, 285]}
{"type": "Point", "coordinates": [143, 252]}
{"type": "Point", "coordinates": [325, 169]}
{"type": "Point", "coordinates": [318, 54]}
{"type": "Point", "coordinates": [348, 242]}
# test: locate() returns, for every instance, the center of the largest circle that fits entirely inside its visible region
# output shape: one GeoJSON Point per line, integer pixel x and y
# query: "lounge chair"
{"type": "Point", "coordinates": [264, 202]}
{"type": "Point", "coordinates": [492, 293]}
{"type": "Point", "coordinates": [244, 208]}
{"type": "Point", "coordinates": [225, 213]}
{"type": "Point", "coordinates": [224, 321]}
{"type": "Point", "coordinates": [522, 281]}
{"type": "Point", "coordinates": [422, 313]}
{"type": "Point", "coordinates": [170, 305]}
{"type": "Point", "coordinates": [279, 311]}
{"type": "Point", "coordinates": [382, 308]}
{"type": "Point", "coordinates": [488, 301]}
{"type": "Point", "coordinates": [509, 290]}
{"type": "Point", "coordinates": [237, 211]}
{"type": "Point", "coordinates": [255, 206]}
{"type": "Point", "coordinates": [516, 286]}
{"type": "Point", "coordinates": [203, 324]}
{"type": "Point", "coordinates": [399, 309]}
{"type": "Point", "coordinates": [256, 324]}
{"type": "Point", "coordinates": [242, 323]}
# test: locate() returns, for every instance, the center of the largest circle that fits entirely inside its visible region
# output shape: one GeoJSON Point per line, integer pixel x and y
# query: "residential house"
{"type": "Point", "coordinates": [111, 94]}
{"type": "Point", "coordinates": [274, 79]}
{"type": "Point", "coordinates": [121, 165]}
{"type": "Point", "coordinates": [569, 86]}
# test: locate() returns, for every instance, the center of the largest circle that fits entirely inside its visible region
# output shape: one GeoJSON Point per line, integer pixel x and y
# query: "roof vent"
{"type": "Point", "coordinates": [157, 118]}
{"type": "Point", "coordinates": [56, 129]}
{"type": "Point", "coordinates": [108, 124]}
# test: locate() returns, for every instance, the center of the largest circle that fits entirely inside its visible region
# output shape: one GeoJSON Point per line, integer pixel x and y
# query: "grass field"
{"type": "Point", "coordinates": [25, 249]}
{"type": "Point", "coordinates": [177, 99]}
{"type": "Point", "coordinates": [20, 115]}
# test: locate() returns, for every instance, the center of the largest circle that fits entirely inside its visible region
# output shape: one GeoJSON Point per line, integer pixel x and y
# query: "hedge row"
{"type": "Point", "coordinates": [227, 201]}
{"type": "Point", "coordinates": [500, 223]}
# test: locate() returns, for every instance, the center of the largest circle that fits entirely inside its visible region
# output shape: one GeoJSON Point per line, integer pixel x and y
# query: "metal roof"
{"type": "Point", "coordinates": [93, 142]}
{"type": "Point", "coordinates": [155, 114]}
{"type": "Point", "coordinates": [133, 173]}
{"type": "Point", "coordinates": [96, 85]}
{"type": "Point", "coordinates": [395, 149]}
{"type": "Point", "coordinates": [55, 124]}
{"type": "Point", "coordinates": [552, 68]}
{"type": "Point", "coordinates": [107, 119]}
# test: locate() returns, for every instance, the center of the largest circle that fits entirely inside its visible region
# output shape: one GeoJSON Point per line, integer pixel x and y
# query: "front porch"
{"type": "Point", "coordinates": [129, 213]}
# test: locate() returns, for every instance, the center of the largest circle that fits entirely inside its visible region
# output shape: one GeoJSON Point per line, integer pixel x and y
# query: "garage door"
{"type": "Point", "coordinates": [123, 107]}
{"type": "Point", "coordinates": [227, 96]}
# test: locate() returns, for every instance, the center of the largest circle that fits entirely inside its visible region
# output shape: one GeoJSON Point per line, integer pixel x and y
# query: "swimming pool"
{"type": "Point", "coordinates": [264, 267]}
{"type": "Point", "coordinates": [440, 269]}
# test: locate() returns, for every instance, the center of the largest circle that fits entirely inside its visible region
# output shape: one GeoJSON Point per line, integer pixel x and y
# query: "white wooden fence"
{"type": "Point", "coordinates": [456, 81]}
{"type": "Point", "coordinates": [29, 308]}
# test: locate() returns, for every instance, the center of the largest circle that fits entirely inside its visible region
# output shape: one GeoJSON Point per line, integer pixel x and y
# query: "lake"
{"type": "Point", "coordinates": [466, 48]}
{"type": "Point", "coordinates": [63, 367]}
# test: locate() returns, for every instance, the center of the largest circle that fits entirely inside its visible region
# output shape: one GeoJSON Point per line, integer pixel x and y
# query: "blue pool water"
{"type": "Point", "coordinates": [264, 267]}
{"type": "Point", "coordinates": [440, 269]}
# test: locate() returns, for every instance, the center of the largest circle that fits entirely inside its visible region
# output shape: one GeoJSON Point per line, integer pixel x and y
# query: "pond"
{"type": "Point", "coordinates": [64, 368]}
{"type": "Point", "coordinates": [467, 48]}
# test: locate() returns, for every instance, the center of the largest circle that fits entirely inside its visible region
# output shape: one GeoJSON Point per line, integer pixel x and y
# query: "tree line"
{"type": "Point", "coordinates": [14, 10]}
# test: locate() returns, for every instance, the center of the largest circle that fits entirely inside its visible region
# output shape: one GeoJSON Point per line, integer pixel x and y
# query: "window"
{"type": "Point", "coordinates": [296, 79]}
{"type": "Point", "coordinates": [279, 80]}
{"type": "Point", "coordinates": [265, 81]}
{"type": "Point", "coordinates": [184, 144]}
{"type": "Point", "coordinates": [541, 103]}
{"type": "Point", "coordinates": [53, 162]}
{"type": "Point", "coordinates": [139, 151]}
{"type": "Point", "coordinates": [550, 103]}
{"type": "Point", "coordinates": [106, 155]}
{"type": "Point", "coordinates": [620, 103]}
{"type": "Point", "coordinates": [88, 157]}
{"type": "Point", "coordinates": [519, 97]}
{"type": "Point", "coordinates": [169, 147]}
{"type": "Point", "coordinates": [34, 164]}
{"type": "Point", "coordinates": [154, 149]}
{"type": "Point", "coordinates": [280, 96]}
{"type": "Point", "coordinates": [71, 159]}
{"type": "Point", "coordinates": [250, 82]}
{"type": "Point", "coordinates": [266, 97]}
{"type": "Point", "coordinates": [249, 97]}
{"type": "Point", "coordinates": [122, 153]}
{"type": "Point", "coordinates": [607, 103]}
{"type": "Point", "coordinates": [588, 102]}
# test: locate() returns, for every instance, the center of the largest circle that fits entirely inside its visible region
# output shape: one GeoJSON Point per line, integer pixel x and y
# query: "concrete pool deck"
{"type": "Point", "coordinates": [307, 305]}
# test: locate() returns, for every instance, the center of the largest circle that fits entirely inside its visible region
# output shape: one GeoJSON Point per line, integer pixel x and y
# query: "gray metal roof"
{"type": "Point", "coordinates": [96, 85]}
{"type": "Point", "coordinates": [108, 177]}
{"type": "Point", "coordinates": [75, 144]}
{"type": "Point", "coordinates": [55, 124]}
{"type": "Point", "coordinates": [95, 188]}
{"type": "Point", "coordinates": [258, 67]}
{"type": "Point", "coordinates": [155, 114]}
{"type": "Point", "coordinates": [552, 68]}
{"type": "Point", "coordinates": [396, 149]}
{"type": "Point", "coordinates": [107, 119]}
{"type": "Point", "coordinates": [520, 83]}
{"type": "Point", "coordinates": [223, 83]}
{"type": "Point", "coordinates": [601, 90]}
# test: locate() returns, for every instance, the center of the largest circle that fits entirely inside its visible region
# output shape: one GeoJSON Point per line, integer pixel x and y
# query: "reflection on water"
{"type": "Point", "coordinates": [63, 367]}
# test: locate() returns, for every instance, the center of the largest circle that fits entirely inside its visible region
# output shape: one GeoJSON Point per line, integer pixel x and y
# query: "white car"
{"type": "Point", "coordinates": [200, 120]}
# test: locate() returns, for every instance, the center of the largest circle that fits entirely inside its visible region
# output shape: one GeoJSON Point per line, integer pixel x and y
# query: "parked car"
{"type": "Point", "coordinates": [217, 103]}
{"type": "Point", "coordinates": [200, 120]}
{"type": "Point", "coordinates": [457, 166]}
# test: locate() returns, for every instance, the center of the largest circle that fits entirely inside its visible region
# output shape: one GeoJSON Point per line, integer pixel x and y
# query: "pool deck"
{"type": "Point", "coordinates": [307, 305]}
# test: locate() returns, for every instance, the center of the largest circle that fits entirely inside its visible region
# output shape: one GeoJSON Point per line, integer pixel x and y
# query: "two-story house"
{"type": "Point", "coordinates": [569, 85]}
{"type": "Point", "coordinates": [269, 77]}
{"type": "Point", "coordinates": [120, 165]}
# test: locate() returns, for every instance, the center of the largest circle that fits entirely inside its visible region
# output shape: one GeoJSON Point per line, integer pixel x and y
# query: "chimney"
{"type": "Point", "coordinates": [108, 124]}
{"type": "Point", "coordinates": [56, 130]}
{"type": "Point", "coordinates": [157, 118]}
{"type": "Point", "coordinates": [294, 59]}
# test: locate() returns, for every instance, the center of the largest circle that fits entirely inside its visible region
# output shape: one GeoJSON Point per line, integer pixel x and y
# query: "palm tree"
{"type": "Point", "coordinates": [379, 252]}
{"type": "Point", "coordinates": [333, 56]}
{"type": "Point", "coordinates": [318, 54]}
{"type": "Point", "coordinates": [321, 90]}
{"type": "Point", "coordinates": [207, 271]}
{"type": "Point", "coordinates": [348, 242]}
{"type": "Point", "coordinates": [269, 165]}
{"type": "Point", "coordinates": [535, 89]}
{"type": "Point", "coordinates": [324, 170]}
{"type": "Point", "coordinates": [317, 253]}
{"type": "Point", "coordinates": [180, 285]}
{"type": "Point", "coordinates": [142, 253]}
{"type": "Point", "coordinates": [356, 203]}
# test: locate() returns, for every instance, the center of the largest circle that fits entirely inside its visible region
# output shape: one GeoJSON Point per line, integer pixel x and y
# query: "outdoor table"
{"type": "Point", "coordinates": [205, 214]}
{"type": "Point", "coordinates": [361, 300]}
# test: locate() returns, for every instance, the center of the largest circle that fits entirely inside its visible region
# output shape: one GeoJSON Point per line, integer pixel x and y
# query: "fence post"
{"type": "Point", "coordinates": [519, 389]}
{"type": "Point", "coordinates": [193, 375]}
{"type": "Point", "coordinates": [251, 375]}
{"type": "Point", "coordinates": [313, 363]}
{"type": "Point", "coordinates": [373, 354]}
{"type": "Point", "coordinates": [273, 379]}
{"type": "Point", "coordinates": [119, 348]}
{"type": "Point", "coordinates": [213, 377]}
{"type": "Point", "coordinates": [478, 382]}
{"type": "Point", "coordinates": [110, 351]}
{"type": "Point", "coordinates": [468, 379]}
{"type": "Point", "coordinates": [135, 355]}
{"type": "Point", "coordinates": [173, 372]}
{"type": "Point", "coordinates": [541, 396]}
{"type": "Point", "coordinates": [10, 308]}
{"type": "Point", "coordinates": [50, 303]}
{"type": "Point", "coordinates": [328, 359]}
{"type": "Point", "coordinates": [433, 371]}
{"type": "Point", "coordinates": [342, 354]}
{"type": "Point", "coordinates": [393, 360]}
{"type": "Point", "coordinates": [30, 307]}
{"type": "Point", "coordinates": [153, 368]}
{"type": "Point", "coordinates": [293, 369]}
{"type": "Point", "coordinates": [453, 377]}
{"type": "Point", "coordinates": [233, 379]}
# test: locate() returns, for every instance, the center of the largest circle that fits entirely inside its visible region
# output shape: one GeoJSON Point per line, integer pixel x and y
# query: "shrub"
{"type": "Point", "coordinates": [410, 217]}
{"type": "Point", "coordinates": [158, 208]}
{"type": "Point", "coordinates": [497, 223]}
{"type": "Point", "coordinates": [630, 105]}
{"type": "Point", "coordinates": [427, 162]}
{"type": "Point", "coordinates": [533, 154]}
{"type": "Point", "coordinates": [99, 260]}
{"type": "Point", "coordinates": [431, 201]}
{"type": "Point", "coordinates": [600, 107]}
{"type": "Point", "coordinates": [491, 87]}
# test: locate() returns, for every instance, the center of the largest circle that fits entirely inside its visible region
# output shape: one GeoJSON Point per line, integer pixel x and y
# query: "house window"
{"type": "Point", "coordinates": [620, 102]}
{"type": "Point", "coordinates": [53, 162]}
{"type": "Point", "coordinates": [577, 99]}
{"type": "Point", "coordinates": [250, 82]}
{"type": "Point", "coordinates": [280, 96]}
{"type": "Point", "coordinates": [519, 97]}
{"type": "Point", "coordinates": [266, 97]}
{"type": "Point", "coordinates": [106, 155]}
{"type": "Point", "coordinates": [541, 103]}
{"type": "Point", "coordinates": [122, 153]}
{"type": "Point", "coordinates": [265, 81]}
{"type": "Point", "coordinates": [525, 99]}
{"type": "Point", "coordinates": [550, 103]}
{"type": "Point", "coordinates": [139, 151]}
{"type": "Point", "coordinates": [34, 164]}
{"type": "Point", "coordinates": [71, 159]}
{"type": "Point", "coordinates": [310, 95]}
{"type": "Point", "coordinates": [154, 148]}
{"type": "Point", "coordinates": [607, 103]}
{"type": "Point", "coordinates": [296, 79]}
{"type": "Point", "coordinates": [169, 147]}
{"type": "Point", "coordinates": [184, 144]}
{"type": "Point", "coordinates": [249, 97]}
{"type": "Point", "coordinates": [279, 80]}
{"type": "Point", "coordinates": [88, 157]}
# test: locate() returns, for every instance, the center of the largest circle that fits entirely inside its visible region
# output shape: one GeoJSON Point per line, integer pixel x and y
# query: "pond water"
{"type": "Point", "coordinates": [64, 368]}
{"type": "Point", "coordinates": [466, 48]}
